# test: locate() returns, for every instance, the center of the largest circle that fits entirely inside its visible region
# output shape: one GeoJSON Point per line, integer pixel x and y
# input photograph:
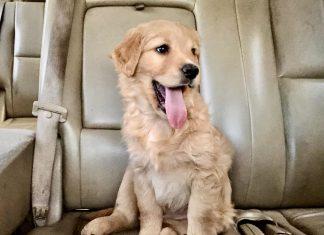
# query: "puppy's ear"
{"type": "Point", "coordinates": [126, 55]}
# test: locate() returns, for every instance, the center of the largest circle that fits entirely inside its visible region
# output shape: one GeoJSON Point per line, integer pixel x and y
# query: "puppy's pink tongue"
{"type": "Point", "coordinates": [175, 107]}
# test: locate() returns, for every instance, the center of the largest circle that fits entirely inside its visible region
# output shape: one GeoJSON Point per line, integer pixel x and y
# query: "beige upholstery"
{"type": "Point", "coordinates": [6, 54]}
{"type": "Point", "coordinates": [241, 85]}
{"type": "Point", "coordinates": [16, 154]}
{"type": "Point", "coordinates": [301, 71]}
{"type": "Point", "coordinates": [67, 226]}
{"type": "Point", "coordinates": [20, 42]}
{"type": "Point", "coordinates": [250, 98]}
{"type": "Point", "coordinates": [262, 66]}
{"type": "Point", "coordinates": [298, 33]}
{"type": "Point", "coordinates": [283, 222]}
{"type": "Point", "coordinates": [303, 109]}
{"type": "Point", "coordinates": [96, 162]}
{"type": "Point", "coordinates": [26, 56]}
{"type": "Point", "coordinates": [20, 52]}
{"type": "Point", "coordinates": [2, 105]}
{"type": "Point", "coordinates": [19, 123]}
{"type": "Point", "coordinates": [70, 224]}
{"type": "Point", "coordinates": [236, 93]}
{"type": "Point", "coordinates": [308, 220]}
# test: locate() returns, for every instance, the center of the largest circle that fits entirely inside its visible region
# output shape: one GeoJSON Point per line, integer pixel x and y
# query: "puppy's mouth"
{"type": "Point", "coordinates": [170, 101]}
{"type": "Point", "coordinates": [160, 95]}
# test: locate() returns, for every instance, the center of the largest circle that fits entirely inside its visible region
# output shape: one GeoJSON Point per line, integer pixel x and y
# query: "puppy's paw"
{"type": "Point", "coordinates": [168, 231]}
{"type": "Point", "coordinates": [227, 221]}
{"type": "Point", "coordinates": [99, 226]}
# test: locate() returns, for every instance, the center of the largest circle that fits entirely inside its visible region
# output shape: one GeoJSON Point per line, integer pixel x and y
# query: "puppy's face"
{"type": "Point", "coordinates": [163, 56]}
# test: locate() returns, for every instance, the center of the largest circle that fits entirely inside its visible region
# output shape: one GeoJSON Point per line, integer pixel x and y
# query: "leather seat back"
{"type": "Point", "coordinates": [248, 83]}
{"type": "Point", "coordinates": [20, 44]}
{"type": "Point", "coordinates": [298, 34]}
{"type": "Point", "coordinates": [267, 96]}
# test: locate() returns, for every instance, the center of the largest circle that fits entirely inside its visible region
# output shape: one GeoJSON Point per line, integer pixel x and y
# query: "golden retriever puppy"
{"type": "Point", "coordinates": [177, 178]}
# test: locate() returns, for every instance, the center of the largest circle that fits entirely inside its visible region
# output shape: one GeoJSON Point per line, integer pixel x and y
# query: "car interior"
{"type": "Point", "coordinates": [262, 68]}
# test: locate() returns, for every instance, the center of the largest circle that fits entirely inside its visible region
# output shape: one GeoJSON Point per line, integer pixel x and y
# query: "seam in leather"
{"type": "Point", "coordinates": [281, 103]}
{"type": "Point", "coordinates": [250, 229]}
{"type": "Point", "coordinates": [274, 46]}
{"type": "Point", "coordinates": [248, 100]}
{"type": "Point", "coordinates": [289, 222]}
{"type": "Point", "coordinates": [27, 56]}
{"type": "Point", "coordinates": [194, 7]}
{"type": "Point", "coordinates": [12, 62]}
{"type": "Point", "coordinates": [105, 4]}
{"type": "Point", "coordinates": [80, 170]}
{"type": "Point", "coordinates": [307, 215]}
{"type": "Point", "coordinates": [196, 25]}
{"type": "Point", "coordinates": [84, 12]}
{"type": "Point", "coordinates": [322, 9]}
{"type": "Point", "coordinates": [285, 190]}
{"type": "Point", "coordinates": [306, 76]}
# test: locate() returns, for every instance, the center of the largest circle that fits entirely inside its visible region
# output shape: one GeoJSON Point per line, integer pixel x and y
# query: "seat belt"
{"type": "Point", "coordinates": [254, 222]}
{"type": "Point", "coordinates": [48, 109]}
{"type": "Point", "coordinates": [250, 229]}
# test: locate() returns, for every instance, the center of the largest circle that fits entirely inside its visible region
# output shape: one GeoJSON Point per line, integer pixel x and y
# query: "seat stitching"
{"type": "Point", "coordinates": [289, 222]}
{"type": "Point", "coordinates": [280, 100]}
{"type": "Point", "coordinates": [195, 17]}
{"type": "Point", "coordinates": [248, 99]}
{"type": "Point", "coordinates": [27, 56]}
{"type": "Point", "coordinates": [250, 229]}
{"type": "Point", "coordinates": [306, 215]}
{"type": "Point", "coordinates": [13, 64]}
{"type": "Point", "coordinates": [194, 6]}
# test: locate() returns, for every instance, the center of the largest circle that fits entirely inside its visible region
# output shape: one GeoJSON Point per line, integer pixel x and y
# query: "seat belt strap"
{"type": "Point", "coordinates": [252, 222]}
{"type": "Point", "coordinates": [250, 229]}
{"type": "Point", "coordinates": [49, 112]}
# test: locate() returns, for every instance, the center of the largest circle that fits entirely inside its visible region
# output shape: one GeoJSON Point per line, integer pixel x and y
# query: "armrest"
{"type": "Point", "coordinates": [16, 158]}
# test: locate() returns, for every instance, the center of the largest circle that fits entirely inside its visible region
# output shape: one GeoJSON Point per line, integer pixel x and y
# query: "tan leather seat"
{"type": "Point", "coordinates": [20, 44]}
{"type": "Point", "coordinates": [16, 151]}
{"type": "Point", "coordinates": [262, 69]}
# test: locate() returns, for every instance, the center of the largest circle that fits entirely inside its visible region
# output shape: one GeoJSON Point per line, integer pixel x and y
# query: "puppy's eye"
{"type": "Point", "coordinates": [193, 50]}
{"type": "Point", "coordinates": [163, 49]}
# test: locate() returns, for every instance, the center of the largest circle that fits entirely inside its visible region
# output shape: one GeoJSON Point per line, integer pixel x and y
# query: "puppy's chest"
{"type": "Point", "coordinates": [172, 189]}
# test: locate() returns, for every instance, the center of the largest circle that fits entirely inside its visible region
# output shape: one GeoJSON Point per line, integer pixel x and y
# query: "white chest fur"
{"type": "Point", "coordinates": [172, 189]}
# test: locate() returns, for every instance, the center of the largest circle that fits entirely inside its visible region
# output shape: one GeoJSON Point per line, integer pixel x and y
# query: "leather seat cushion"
{"type": "Point", "coordinates": [310, 221]}
{"type": "Point", "coordinates": [16, 156]}
{"type": "Point", "coordinates": [299, 221]}
{"type": "Point", "coordinates": [283, 222]}
{"type": "Point", "coordinates": [68, 225]}
{"type": "Point", "coordinates": [71, 224]}
{"type": "Point", "coordinates": [19, 123]}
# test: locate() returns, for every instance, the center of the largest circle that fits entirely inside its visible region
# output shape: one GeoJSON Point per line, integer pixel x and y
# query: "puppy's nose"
{"type": "Point", "coordinates": [190, 71]}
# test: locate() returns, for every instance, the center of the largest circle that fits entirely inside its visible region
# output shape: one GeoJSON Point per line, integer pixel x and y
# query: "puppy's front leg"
{"type": "Point", "coordinates": [210, 210]}
{"type": "Point", "coordinates": [150, 211]}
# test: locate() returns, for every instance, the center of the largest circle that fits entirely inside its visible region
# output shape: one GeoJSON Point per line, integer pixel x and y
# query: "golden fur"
{"type": "Point", "coordinates": [177, 179]}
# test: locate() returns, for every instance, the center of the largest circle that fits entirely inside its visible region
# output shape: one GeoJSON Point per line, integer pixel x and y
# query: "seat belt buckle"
{"type": "Point", "coordinates": [262, 221]}
{"type": "Point", "coordinates": [40, 214]}
{"type": "Point", "coordinates": [51, 108]}
{"type": "Point", "coordinates": [275, 229]}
